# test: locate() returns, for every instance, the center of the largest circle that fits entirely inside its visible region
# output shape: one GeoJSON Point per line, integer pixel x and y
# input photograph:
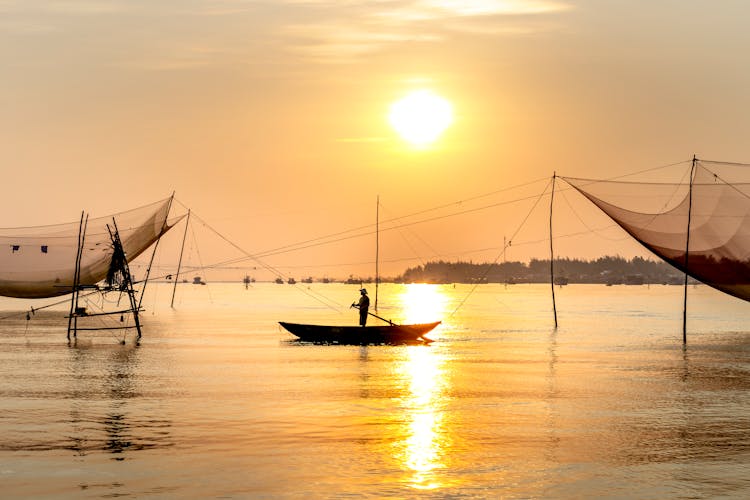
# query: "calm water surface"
{"type": "Point", "coordinates": [218, 401]}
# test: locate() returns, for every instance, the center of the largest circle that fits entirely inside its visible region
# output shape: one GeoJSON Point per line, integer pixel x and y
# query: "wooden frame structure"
{"type": "Point", "coordinates": [119, 280]}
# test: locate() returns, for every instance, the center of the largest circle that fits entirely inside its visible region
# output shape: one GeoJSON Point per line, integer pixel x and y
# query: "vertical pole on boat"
{"type": "Point", "coordinates": [687, 248]}
{"type": "Point", "coordinates": [377, 250]}
{"type": "Point", "coordinates": [72, 323]}
{"type": "Point", "coordinates": [179, 263]}
{"type": "Point", "coordinates": [551, 250]}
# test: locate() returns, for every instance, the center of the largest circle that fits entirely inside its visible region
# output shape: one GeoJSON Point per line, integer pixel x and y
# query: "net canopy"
{"type": "Point", "coordinates": [658, 215]}
{"type": "Point", "coordinates": [38, 262]}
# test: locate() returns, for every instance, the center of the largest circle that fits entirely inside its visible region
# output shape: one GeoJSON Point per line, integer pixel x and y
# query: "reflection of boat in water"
{"type": "Point", "coordinates": [380, 334]}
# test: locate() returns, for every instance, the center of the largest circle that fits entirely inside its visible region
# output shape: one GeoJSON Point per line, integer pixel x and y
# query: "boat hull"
{"type": "Point", "coordinates": [381, 334]}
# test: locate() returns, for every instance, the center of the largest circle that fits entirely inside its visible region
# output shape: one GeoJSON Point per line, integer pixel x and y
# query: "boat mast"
{"type": "Point", "coordinates": [377, 250]}
{"type": "Point", "coordinates": [687, 248]}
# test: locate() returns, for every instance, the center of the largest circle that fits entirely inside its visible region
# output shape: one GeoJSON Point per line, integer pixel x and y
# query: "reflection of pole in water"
{"type": "Point", "coordinates": [117, 428]}
{"type": "Point", "coordinates": [554, 439]}
{"type": "Point", "coordinates": [121, 428]}
{"type": "Point", "coordinates": [121, 385]}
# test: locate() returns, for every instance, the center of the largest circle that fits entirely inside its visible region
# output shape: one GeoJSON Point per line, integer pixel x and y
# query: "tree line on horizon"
{"type": "Point", "coordinates": [610, 270]}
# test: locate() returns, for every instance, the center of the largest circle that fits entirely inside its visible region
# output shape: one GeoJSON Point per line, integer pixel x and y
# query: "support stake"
{"type": "Point", "coordinates": [551, 250]}
{"type": "Point", "coordinates": [179, 263]}
{"type": "Point", "coordinates": [73, 315]}
{"type": "Point", "coordinates": [687, 250]}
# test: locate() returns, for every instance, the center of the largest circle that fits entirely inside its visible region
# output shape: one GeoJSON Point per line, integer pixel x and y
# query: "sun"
{"type": "Point", "coordinates": [421, 117]}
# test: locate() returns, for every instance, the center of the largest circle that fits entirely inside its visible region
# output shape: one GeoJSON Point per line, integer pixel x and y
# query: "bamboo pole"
{"type": "Point", "coordinates": [153, 253]}
{"type": "Point", "coordinates": [74, 297]}
{"type": "Point", "coordinates": [551, 251]}
{"type": "Point", "coordinates": [687, 249]}
{"type": "Point", "coordinates": [179, 264]}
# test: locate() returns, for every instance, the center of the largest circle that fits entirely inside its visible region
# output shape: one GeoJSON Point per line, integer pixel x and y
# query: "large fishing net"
{"type": "Point", "coordinates": [40, 261]}
{"type": "Point", "coordinates": [717, 212]}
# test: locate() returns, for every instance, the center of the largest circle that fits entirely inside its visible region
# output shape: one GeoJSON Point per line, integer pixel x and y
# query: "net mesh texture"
{"type": "Point", "coordinates": [39, 262]}
{"type": "Point", "coordinates": [657, 215]}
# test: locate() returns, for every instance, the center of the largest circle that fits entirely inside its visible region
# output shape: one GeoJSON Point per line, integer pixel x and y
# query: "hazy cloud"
{"type": "Point", "coordinates": [177, 34]}
{"type": "Point", "coordinates": [363, 27]}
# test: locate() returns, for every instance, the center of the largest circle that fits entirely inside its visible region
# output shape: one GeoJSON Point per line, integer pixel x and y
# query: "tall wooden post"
{"type": "Point", "coordinates": [687, 250]}
{"type": "Point", "coordinates": [153, 253]}
{"type": "Point", "coordinates": [72, 318]}
{"type": "Point", "coordinates": [179, 263]}
{"type": "Point", "coordinates": [551, 250]}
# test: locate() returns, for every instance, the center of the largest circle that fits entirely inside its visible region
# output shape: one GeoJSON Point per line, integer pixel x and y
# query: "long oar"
{"type": "Point", "coordinates": [376, 316]}
{"type": "Point", "coordinates": [425, 339]}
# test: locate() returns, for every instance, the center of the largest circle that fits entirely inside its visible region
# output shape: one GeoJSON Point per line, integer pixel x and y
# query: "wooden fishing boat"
{"type": "Point", "coordinates": [360, 335]}
{"type": "Point", "coordinates": [379, 334]}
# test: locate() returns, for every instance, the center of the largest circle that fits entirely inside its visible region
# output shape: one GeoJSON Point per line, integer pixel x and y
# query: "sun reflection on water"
{"type": "Point", "coordinates": [423, 449]}
{"type": "Point", "coordinates": [422, 303]}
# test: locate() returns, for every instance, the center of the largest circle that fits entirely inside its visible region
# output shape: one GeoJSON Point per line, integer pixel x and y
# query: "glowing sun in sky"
{"type": "Point", "coordinates": [421, 117]}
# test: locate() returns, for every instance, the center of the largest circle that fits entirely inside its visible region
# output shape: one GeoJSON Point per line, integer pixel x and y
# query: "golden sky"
{"type": "Point", "coordinates": [269, 118]}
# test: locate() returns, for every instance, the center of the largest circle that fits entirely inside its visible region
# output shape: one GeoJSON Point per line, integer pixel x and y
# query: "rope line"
{"type": "Point", "coordinates": [315, 295]}
{"type": "Point", "coordinates": [518, 229]}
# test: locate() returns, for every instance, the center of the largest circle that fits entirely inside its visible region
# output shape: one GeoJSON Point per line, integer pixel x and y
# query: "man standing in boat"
{"type": "Point", "coordinates": [363, 305]}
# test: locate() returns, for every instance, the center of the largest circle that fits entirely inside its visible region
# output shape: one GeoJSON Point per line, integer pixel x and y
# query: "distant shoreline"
{"type": "Point", "coordinates": [604, 270]}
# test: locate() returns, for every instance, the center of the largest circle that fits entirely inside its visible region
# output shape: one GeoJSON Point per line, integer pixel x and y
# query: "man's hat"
{"type": "Point", "coordinates": [363, 290]}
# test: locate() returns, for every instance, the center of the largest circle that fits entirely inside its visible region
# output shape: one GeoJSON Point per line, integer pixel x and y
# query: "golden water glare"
{"type": "Point", "coordinates": [425, 444]}
{"type": "Point", "coordinates": [422, 303]}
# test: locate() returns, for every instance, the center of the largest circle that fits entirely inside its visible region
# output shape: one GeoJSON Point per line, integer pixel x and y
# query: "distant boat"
{"type": "Point", "coordinates": [291, 281]}
{"type": "Point", "coordinates": [198, 281]}
{"type": "Point", "coordinates": [279, 281]}
{"type": "Point", "coordinates": [360, 335]}
{"type": "Point", "coordinates": [307, 280]}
